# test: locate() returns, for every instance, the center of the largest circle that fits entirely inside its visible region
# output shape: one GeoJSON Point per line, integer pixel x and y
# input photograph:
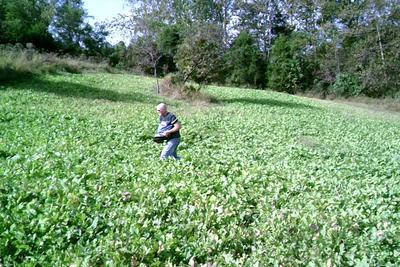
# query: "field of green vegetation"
{"type": "Point", "coordinates": [266, 178]}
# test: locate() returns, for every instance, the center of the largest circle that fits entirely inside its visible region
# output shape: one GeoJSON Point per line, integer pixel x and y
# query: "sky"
{"type": "Point", "coordinates": [105, 10]}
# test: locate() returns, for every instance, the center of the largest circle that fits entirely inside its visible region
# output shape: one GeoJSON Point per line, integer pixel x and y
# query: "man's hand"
{"type": "Point", "coordinates": [176, 128]}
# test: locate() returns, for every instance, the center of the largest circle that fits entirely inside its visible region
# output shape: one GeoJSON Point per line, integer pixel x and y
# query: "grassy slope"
{"type": "Point", "coordinates": [266, 177]}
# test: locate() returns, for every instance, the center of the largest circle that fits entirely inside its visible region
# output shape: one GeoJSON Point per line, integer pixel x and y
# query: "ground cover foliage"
{"type": "Point", "coordinates": [266, 178]}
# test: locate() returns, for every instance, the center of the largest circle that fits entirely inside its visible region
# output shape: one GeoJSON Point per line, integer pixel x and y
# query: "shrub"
{"type": "Point", "coordinates": [346, 85]}
{"type": "Point", "coordinates": [244, 62]}
{"type": "Point", "coordinates": [287, 69]}
{"type": "Point", "coordinates": [173, 86]}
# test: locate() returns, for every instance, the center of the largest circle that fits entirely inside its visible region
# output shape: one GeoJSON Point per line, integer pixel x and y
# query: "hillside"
{"type": "Point", "coordinates": [266, 178]}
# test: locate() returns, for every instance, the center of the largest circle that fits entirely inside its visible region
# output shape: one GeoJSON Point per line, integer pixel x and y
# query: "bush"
{"type": "Point", "coordinates": [173, 86]}
{"type": "Point", "coordinates": [288, 70]}
{"type": "Point", "coordinates": [346, 85]}
{"type": "Point", "coordinates": [319, 88]}
{"type": "Point", "coordinates": [244, 62]}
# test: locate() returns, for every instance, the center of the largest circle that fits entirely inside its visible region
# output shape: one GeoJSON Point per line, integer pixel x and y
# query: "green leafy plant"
{"type": "Point", "coordinates": [266, 178]}
{"type": "Point", "coordinates": [346, 85]}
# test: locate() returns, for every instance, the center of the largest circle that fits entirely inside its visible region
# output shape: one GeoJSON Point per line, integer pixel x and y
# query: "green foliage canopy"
{"type": "Point", "coordinates": [244, 63]}
{"type": "Point", "coordinates": [287, 66]}
{"type": "Point", "coordinates": [26, 21]}
{"type": "Point", "coordinates": [198, 58]}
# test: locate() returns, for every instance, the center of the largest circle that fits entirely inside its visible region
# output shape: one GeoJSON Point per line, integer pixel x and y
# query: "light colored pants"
{"type": "Point", "coordinates": [170, 149]}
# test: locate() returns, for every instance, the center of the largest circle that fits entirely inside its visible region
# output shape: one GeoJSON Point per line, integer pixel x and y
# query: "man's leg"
{"type": "Point", "coordinates": [175, 154]}
{"type": "Point", "coordinates": [170, 149]}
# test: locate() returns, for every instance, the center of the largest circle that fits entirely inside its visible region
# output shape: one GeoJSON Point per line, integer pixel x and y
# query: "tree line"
{"type": "Point", "coordinates": [53, 26]}
{"type": "Point", "coordinates": [336, 47]}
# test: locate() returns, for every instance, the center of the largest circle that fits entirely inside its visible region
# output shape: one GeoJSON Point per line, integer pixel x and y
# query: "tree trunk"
{"type": "Point", "coordinates": [380, 44]}
{"type": "Point", "coordinates": [381, 50]}
{"type": "Point", "coordinates": [337, 59]}
{"type": "Point", "coordinates": [155, 76]}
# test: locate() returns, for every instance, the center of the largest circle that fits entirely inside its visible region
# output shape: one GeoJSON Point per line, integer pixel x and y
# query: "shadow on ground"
{"type": "Point", "coordinates": [77, 90]}
{"type": "Point", "coordinates": [267, 102]}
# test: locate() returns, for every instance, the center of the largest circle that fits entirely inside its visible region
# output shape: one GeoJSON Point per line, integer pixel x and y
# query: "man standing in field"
{"type": "Point", "coordinates": [169, 128]}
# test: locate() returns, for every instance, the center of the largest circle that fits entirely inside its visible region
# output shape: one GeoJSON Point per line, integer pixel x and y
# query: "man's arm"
{"type": "Point", "coordinates": [177, 127]}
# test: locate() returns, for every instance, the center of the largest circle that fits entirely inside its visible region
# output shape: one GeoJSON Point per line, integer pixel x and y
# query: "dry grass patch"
{"type": "Point", "coordinates": [173, 88]}
{"type": "Point", "coordinates": [373, 104]}
{"type": "Point", "coordinates": [16, 63]}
